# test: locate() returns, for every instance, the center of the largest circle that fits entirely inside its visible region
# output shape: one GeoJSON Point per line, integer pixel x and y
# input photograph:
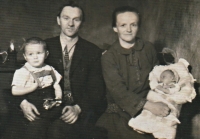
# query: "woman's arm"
{"type": "Point", "coordinates": [19, 90]}
{"type": "Point", "coordinates": [127, 100]}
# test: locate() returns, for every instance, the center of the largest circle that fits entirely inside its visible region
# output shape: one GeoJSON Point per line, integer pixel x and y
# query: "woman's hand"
{"type": "Point", "coordinates": [70, 114]}
{"type": "Point", "coordinates": [157, 108]}
{"type": "Point", "coordinates": [29, 110]}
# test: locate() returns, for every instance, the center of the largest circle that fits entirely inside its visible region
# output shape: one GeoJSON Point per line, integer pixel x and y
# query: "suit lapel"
{"type": "Point", "coordinates": [77, 56]}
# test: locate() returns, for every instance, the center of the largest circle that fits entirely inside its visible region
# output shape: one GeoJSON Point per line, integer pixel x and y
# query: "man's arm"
{"type": "Point", "coordinates": [95, 99]}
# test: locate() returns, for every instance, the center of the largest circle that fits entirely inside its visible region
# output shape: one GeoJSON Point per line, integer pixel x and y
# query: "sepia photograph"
{"type": "Point", "coordinates": [99, 69]}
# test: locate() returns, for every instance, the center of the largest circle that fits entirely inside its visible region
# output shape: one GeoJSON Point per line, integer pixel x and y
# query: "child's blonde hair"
{"type": "Point", "coordinates": [34, 40]}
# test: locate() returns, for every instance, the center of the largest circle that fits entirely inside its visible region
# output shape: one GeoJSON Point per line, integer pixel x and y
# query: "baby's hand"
{"type": "Point", "coordinates": [159, 87]}
{"type": "Point", "coordinates": [171, 86]}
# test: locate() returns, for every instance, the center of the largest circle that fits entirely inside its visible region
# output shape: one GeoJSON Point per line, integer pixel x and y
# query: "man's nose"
{"type": "Point", "coordinates": [71, 23]}
{"type": "Point", "coordinates": [128, 29]}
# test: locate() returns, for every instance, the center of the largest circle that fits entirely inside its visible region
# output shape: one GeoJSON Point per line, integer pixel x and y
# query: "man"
{"type": "Point", "coordinates": [78, 61]}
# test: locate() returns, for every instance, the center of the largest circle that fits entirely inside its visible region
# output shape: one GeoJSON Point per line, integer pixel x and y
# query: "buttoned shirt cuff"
{"type": "Point", "coordinates": [78, 108]}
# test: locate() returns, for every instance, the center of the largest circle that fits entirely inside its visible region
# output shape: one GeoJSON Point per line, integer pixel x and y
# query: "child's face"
{"type": "Point", "coordinates": [166, 78]}
{"type": "Point", "coordinates": [35, 55]}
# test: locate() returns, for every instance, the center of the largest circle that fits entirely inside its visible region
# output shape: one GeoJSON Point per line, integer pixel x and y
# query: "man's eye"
{"type": "Point", "coordinates": [123, 25]}
{"type": "Point", "coordinates": [77, 19]}
{"type": "Point", "coordinates": [30, 54]}
{"type": "Point", "coordinates": [66, 18]}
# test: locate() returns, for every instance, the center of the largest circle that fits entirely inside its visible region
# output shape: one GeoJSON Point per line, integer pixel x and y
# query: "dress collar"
{"type": "Point", "coordinates": [137, 47]}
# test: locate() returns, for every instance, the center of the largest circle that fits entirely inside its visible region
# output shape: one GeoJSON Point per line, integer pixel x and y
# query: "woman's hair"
{"type": "Point", "coordinates": [34, 40]}
{"type": "Point", "coordinates": [72, 4]}
{"type": "Point", "coordinates": [123, 9]}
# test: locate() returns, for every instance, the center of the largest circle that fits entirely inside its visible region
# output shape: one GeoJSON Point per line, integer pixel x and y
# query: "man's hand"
{"type": "Point", "coordinates": [29, 110]}
{"type": "Point", "coordinates": [70, 114]}
{"type": "Point", "coordinates": [157, 108]}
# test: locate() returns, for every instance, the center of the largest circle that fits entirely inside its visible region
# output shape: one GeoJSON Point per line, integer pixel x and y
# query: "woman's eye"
{"type": "Point", "coordinates": [134, 25]}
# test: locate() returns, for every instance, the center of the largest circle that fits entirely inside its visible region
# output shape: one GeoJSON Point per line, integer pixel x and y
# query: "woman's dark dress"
{"type": "Point", "coordinates": [126, 74]}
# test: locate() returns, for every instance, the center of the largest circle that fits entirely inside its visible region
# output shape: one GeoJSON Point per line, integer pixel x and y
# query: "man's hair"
{"type": "Point", "coordinates": [72, 4]}
{"type": "Point", "coordinates": [123, 9]}
{"type": "Point", "coordinates": [34, 40]}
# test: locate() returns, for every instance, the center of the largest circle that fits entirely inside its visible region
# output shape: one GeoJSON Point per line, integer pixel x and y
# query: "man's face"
{"type": "Point", "coordinates": [70, 20]}
{"type": "Point", "coordinates": [127, 26]}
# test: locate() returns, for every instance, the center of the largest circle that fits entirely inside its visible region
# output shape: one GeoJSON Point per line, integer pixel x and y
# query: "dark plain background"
{"type": "Point", "coordinates": [166, 23]}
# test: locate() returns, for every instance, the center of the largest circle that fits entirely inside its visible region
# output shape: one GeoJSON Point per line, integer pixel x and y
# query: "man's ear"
{"type": "Point", "coordinates": [24, 56]}
{"type": "Point", "coordinates": [47, 53]}
{"type": "Point", "coordinates": [115, 29]}
{"type": "Point", "coordinates": [58, 20]}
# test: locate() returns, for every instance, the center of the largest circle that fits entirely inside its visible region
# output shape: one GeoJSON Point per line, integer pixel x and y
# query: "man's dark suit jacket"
{"type": "Point", "coordinates": [87, 84]}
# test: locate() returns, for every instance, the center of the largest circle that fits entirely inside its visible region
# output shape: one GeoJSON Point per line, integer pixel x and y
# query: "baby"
{"type": "Point", "coordinates": [37, 81]}
{"type": "Point", "coordinates": [168, 83]}
{"type": "Point", "coordinates": [160, 127]}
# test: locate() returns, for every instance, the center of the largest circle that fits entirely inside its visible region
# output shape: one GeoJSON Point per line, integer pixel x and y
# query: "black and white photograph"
{"type": "Point", "coordinates": [99, 69]}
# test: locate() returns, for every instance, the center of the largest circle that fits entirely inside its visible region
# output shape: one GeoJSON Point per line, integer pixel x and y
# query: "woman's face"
{"type": "Point", "coordinates": [127, 26]}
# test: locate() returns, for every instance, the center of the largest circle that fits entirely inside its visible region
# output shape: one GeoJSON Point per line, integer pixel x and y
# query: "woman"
{"type": "Point", "coordinates": [126, 66]}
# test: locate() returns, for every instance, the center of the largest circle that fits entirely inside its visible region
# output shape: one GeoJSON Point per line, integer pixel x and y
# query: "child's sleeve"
{"type": "Point", "coordinates": [20, 78]}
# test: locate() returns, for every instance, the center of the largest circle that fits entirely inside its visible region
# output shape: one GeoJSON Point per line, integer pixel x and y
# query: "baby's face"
{"type": "Point", "coordinates": [166, 78]}
{"type": "Point", "coordinates": [35, 55]}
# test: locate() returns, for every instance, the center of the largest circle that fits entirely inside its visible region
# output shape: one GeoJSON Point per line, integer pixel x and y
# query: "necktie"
{"type": "Point", "coordinates": [67, 90]}
{"type": "Point", "coordinates": [66, 56]}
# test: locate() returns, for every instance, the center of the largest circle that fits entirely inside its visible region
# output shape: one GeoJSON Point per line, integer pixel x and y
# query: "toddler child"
{"type": "Point", "coordinates": [37, 81]}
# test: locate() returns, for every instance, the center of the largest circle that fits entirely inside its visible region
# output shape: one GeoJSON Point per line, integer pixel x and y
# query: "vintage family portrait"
{"type": "Point", "coordinates": [99, 69]}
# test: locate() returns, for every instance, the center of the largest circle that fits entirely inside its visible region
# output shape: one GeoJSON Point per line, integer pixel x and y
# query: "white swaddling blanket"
{"type": "Point", "coordinates": [165, 127]}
